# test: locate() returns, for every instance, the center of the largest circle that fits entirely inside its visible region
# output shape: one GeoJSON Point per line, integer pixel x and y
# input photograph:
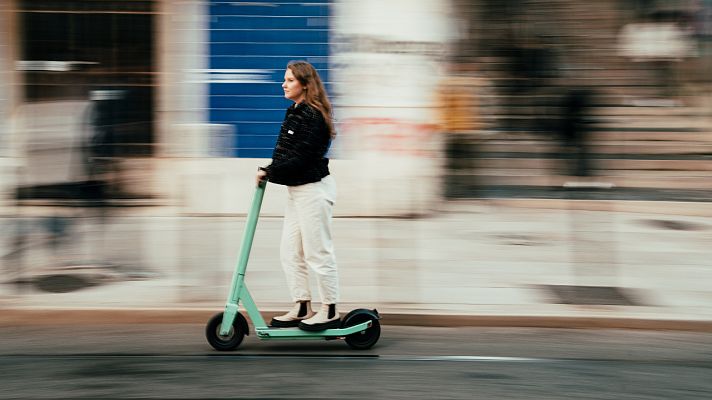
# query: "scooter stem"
{"type": "Point", "coordinates": [238, 278]}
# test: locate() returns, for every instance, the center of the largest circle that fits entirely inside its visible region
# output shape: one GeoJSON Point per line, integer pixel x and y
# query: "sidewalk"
{"type": "Point", "coordinates": [474, 263]}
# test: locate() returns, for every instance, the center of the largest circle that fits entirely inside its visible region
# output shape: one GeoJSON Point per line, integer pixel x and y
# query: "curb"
{"type": "Point", "coordinates": [34, 317]}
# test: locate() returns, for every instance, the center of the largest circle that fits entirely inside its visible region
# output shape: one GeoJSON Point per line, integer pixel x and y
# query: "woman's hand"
{"type": "Point", "coordinates": [261, 176]}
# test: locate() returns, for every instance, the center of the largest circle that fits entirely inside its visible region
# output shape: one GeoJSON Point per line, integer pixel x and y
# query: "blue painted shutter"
{"type": "Point", "coordinates": [250, 46]}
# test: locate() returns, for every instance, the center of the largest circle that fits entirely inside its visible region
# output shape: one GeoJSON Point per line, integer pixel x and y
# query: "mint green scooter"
{"type": "Point", "coordinates": [359, 328]}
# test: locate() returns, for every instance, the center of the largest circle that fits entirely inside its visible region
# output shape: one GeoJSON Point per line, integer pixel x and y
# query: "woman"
{"type": "Point", "coordinates": [299, 162]}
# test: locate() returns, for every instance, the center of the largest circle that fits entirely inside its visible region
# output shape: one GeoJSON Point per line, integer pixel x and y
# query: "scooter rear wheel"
{"type": "Point", "coordinates": [229, 341]}
{"type": "Point", "coordinates": [367, 338]}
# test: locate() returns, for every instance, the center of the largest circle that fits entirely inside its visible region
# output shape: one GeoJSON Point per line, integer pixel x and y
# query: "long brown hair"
{"type": "Point", "coordinates": [315, 94]}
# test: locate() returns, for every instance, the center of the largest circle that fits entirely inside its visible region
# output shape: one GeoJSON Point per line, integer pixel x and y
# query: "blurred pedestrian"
{"type": "Point", "coordinates": [299, 162]}
{"type": "Point", "coordinates": [575, 120]}
{"type": "Point", "coordinates": [458, 117]}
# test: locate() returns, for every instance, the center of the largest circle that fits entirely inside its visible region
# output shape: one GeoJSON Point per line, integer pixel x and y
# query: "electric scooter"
{"type": "Point", "coordinates": [360, 328]}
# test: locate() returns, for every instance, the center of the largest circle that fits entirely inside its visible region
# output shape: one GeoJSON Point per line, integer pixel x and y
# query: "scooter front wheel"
{"type": "Point", "coordinates": [229, 341]}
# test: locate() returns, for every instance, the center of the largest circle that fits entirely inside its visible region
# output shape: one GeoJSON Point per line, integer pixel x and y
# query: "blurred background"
{"type": "Point", "coordinates": [471, 134]}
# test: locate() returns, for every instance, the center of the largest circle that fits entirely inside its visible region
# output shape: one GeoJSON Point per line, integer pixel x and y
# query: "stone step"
{"type": "Point", "coordinates": [652, 111]}
{"type": "Point", "coordinates": [615, 136]}
{"type": "Point", "coordinates": [634, 199]}
{"type": "Point", "coordinates": [698, 166]}
{"type": "Point", "coordinates": [600, 147]}
{"type": "Point", "coordinates": [557, 167]}
{"type": "Point", "coordinates": [655, 182]}
{"type": "Point", "coordinates": [608, 136]}
{"type": "Point", "coordinates": [698, 118]}
{"type": "Point", "coordinates": [658, 123]}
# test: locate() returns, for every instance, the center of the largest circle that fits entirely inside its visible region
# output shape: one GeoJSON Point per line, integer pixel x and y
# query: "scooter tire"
{"type": "Point", "coordinates": [232, 339]}
{"type": "Point", "coordinates": [365, 339]}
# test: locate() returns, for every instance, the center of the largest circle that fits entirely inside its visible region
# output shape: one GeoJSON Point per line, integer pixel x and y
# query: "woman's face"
{"type": "Point", "coordinates": [293, 89]}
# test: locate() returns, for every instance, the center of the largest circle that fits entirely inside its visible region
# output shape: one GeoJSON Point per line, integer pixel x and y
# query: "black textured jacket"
{"type": "Point", "coordinates": [299, 155]}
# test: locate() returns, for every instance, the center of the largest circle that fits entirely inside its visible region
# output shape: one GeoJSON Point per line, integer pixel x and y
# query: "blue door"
{"type": "Point", "coordinates": [250, 46]}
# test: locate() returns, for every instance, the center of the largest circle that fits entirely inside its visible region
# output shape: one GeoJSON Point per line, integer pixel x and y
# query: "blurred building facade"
{"type": "Point", "coordinates": [176, 99]}
{"type": "Point", "coordinates": [645, 126]}
{"type": "Point", "coordinates": [174, 103]}
{"type": "Point", "coordinates": [179, 101]}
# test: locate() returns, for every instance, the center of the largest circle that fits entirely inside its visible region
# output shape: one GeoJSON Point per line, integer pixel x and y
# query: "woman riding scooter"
{"type": "Point", "coordinates": [299, 162]}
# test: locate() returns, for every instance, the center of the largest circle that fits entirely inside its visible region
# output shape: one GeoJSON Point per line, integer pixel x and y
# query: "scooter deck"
{"type": "Point", "coordinates": [296, 333]}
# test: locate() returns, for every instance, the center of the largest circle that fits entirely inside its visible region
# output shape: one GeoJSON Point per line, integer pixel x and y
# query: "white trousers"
{"type": "Point", "coordinates": [306, 240]}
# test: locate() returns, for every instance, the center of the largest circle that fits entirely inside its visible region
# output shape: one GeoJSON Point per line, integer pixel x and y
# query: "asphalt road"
{"type": "Point", "coordinates": [174, 361]}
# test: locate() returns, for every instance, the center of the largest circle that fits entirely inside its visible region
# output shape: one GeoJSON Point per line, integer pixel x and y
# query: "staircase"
{"type": "Point", "coordinates": [649, 147]}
